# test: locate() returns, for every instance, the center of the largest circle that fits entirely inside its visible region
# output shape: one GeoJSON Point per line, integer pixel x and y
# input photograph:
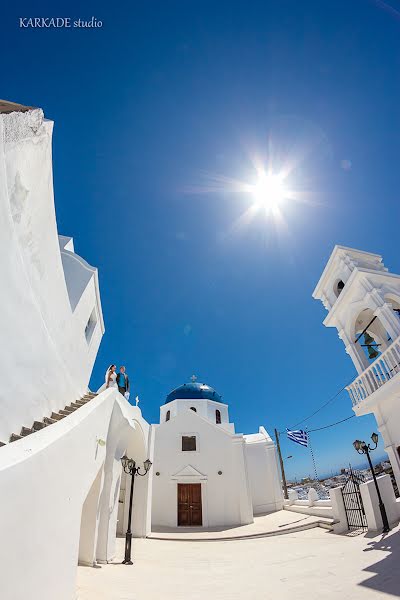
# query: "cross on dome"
{"type": "Point", "coordinates": [193, 378]}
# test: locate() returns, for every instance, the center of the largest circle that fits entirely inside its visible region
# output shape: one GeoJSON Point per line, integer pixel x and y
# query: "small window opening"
{"type": "Point", "coordinates": [339, 288]}
{"type": "Point", "coordinates": [188, 443]}
{"type": "Point", "coordinates": [91, 326]}
{"type": "Point", "coordinates": [193, 408]}
{"type": "Point", "coordinates": [168, 415]}
{"type": "Point", "coordinates": [217, 416]}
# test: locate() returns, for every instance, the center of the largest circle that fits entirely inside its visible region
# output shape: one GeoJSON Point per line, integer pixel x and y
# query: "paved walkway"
{"type": "Point", "coordinates": [275, 523]}
{"type": "Point", "coordinates": [312, 564]}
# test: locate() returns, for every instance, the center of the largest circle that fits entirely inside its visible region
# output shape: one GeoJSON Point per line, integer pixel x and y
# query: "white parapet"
{"type": "Point", "coordinates": [371, 503]}
{"type": "Point", "coordinates": [382, 370]}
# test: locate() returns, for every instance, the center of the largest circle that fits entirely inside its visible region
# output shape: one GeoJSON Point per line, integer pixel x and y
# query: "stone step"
{"type": "Point", "coordinates": [67, 411]}
{"type": "Point", "coordinates": [57, 416]}
{"type": "Point", "coordinates": [14, 437]}
{"type": "Point", "coordinates": [37, 425]}
{"type": "Point", "coordinates": [26, 431]}
{"type": "Point", "coordinates": [81, 402]}
{"type": "Point", "coordinates": [49, 421]}
{"type": "Point", "coordinates": [77, 404]}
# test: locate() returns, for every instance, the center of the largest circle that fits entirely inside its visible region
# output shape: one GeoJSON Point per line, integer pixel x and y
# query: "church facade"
{"type": "Point", "coordinates": [204, 473]}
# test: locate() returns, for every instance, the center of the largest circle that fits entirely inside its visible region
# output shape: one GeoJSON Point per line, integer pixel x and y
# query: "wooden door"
{"type": "Point", "coordinates": [189, 504]}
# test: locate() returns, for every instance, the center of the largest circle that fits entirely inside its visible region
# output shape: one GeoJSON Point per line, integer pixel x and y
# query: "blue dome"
{"type": "Point", "coordinates": [193, 391]}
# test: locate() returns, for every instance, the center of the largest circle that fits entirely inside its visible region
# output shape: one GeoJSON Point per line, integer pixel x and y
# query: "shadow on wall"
{"type": "Point", "coordinates": [386, 578]}
{"type": "Point", "coordinates": [89, 522]}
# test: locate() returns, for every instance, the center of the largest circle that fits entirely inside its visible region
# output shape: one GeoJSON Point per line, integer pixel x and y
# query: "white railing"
{"type": "Point", "coordinates": [384, 368]}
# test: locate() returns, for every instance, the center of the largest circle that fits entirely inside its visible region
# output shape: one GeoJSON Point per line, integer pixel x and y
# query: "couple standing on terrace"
{"type": "Point", "coordinates": [119, 380]}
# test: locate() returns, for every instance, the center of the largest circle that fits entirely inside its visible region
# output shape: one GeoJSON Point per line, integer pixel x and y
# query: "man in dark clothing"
{"type": "Point", "coordinates": [122, 381]}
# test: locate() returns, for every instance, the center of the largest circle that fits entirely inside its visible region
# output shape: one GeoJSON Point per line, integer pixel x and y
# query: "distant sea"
{"type": "Point", "coordinates": [363, 465]}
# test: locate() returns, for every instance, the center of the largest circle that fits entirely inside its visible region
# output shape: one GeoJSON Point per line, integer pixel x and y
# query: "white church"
{"type": "Point", "coordinates": [204, 473]}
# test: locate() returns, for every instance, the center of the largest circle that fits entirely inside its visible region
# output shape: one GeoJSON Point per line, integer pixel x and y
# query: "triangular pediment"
{"type": "Point", "coordinates": [188, 472]}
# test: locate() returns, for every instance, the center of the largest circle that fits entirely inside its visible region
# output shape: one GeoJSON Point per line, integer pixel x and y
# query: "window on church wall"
{"type": "Point", "coordinates": [217, 417]}
{"type": "Point", "coordinates": [168, 415]}
{"type": "Point", "coordinates": [188, 443]}
{"type": "Point", "coordinates": [193, 408]}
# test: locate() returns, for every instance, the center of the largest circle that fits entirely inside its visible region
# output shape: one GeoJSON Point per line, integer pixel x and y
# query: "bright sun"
{"type": "Point", "coordinates": [269, 191]}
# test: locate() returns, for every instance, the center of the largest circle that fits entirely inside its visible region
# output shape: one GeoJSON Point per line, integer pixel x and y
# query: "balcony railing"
{"type": "Point", "coordinates": [384, 368]}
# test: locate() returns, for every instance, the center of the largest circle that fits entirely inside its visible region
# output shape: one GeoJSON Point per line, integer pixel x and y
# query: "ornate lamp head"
{"type": "Point", "coordinates": [374, 438]}
{"type": "Point", "coordinates": [147, 464]}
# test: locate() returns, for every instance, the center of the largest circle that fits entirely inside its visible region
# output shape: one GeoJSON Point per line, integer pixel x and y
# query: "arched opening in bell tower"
{"type": "Point", "coordinates": [371, 337]}
{"type": "Point", "coordinates": [394, 301]}
{"type": "Point", "coordinates": [338, 287]}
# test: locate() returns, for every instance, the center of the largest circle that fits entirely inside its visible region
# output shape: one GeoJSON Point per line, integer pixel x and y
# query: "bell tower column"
{"type": "Point", "coordinates": [359, 360]}
{"type": "Point", "coordinates": [385, 314]}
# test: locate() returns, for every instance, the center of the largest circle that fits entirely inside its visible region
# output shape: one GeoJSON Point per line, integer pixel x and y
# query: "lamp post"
{"type": "Point", "coordinates": [130, 468]}
{"type": "Point", "coordinates": [363, 448]}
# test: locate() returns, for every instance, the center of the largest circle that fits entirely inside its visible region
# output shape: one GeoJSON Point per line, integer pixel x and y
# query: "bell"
{"type": "Point", "coordinates": [372, 351]}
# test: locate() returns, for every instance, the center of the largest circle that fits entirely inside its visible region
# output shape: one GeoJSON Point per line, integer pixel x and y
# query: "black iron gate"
{"type": "Point", "coordinates": [353, 505]}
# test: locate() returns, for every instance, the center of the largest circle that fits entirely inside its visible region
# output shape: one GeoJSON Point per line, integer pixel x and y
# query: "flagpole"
{"type": "Point", "coordinates": [285, 490]}
{"type": "Point", "coordinates": [312, 456]}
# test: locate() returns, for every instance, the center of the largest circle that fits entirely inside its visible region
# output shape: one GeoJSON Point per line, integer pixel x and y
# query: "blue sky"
{"type": "Point", "coordinates": [162, 99]}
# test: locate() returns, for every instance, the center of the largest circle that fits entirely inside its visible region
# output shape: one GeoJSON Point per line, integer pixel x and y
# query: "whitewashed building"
{"type": "Point", "coordinates": [363, 302]}
{"type": "Point", "coordinates": [205, 474]}
{"type": "Point", "coordinates": [60, 445]}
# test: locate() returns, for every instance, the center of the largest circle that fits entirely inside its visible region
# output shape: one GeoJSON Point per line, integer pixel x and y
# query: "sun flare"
{"type": "Point", "coordinates": [269, 191]}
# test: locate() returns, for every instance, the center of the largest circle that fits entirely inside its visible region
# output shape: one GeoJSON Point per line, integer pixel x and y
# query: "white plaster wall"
{"type": "Point", "coordinates": [263, 474]}
{"type": "Point", "coordinates": [45, 360]}
{"type": "Point", "coordinates": [338, 510]}
{"type": "Point", "coordinates": [45, 480]}
{"type": "Point", "coordinates": [226, 498]}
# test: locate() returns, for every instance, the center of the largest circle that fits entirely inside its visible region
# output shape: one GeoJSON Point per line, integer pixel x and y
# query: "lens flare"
{"type": "Point", "coordinates": [269, 191]}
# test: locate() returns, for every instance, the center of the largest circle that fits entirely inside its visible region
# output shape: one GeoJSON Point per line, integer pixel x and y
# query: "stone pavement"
{"type": "Point", "coordinates": [314, 564]}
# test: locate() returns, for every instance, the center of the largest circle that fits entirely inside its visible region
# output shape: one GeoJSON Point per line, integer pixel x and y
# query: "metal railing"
{"type": "Point", "coordinates": [384, 368]}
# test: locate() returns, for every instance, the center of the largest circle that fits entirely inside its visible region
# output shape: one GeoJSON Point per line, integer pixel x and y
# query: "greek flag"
{"type": "Point", "coordinates": [298, 435]}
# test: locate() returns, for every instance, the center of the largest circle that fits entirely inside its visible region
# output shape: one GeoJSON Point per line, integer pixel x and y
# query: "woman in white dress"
{"type": "Point", "coordinates": [111, 377]}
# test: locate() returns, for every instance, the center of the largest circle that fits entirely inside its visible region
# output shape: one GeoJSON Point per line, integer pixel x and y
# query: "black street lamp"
{"type": "Point", "coordinates": [131, 469]}
{"type": "Point", "coordinates": [363, 448]}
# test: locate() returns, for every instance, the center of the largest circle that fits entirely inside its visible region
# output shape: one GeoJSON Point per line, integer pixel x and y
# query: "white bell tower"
{"type": "Point", "coordinates": [363, 303]}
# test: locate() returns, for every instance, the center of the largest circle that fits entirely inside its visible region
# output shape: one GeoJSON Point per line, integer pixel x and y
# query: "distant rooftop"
{"type": "Point", "coordinates": [9, 107]}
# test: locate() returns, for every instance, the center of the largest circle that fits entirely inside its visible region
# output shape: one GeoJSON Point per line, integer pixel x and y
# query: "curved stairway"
{"type": "Point", "coordinates": [54, 417]}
